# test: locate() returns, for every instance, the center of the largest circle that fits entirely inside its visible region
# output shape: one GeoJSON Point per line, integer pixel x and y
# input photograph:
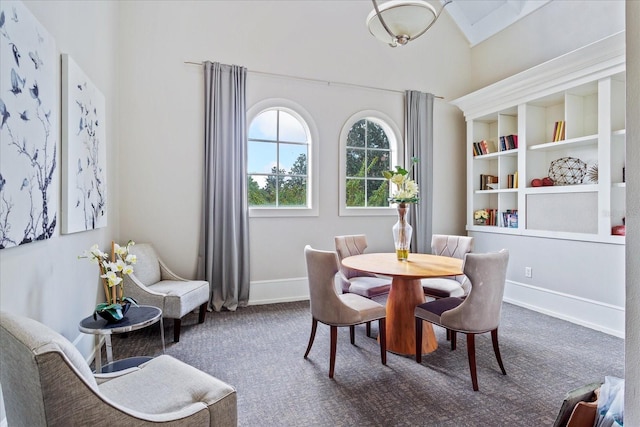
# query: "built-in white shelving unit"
{"type": "Point", "coordinates": [587, 95]}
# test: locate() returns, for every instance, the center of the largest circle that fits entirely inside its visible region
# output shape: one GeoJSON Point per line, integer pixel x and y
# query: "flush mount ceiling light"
{"type": "Point", "coordinates": [398, 21]}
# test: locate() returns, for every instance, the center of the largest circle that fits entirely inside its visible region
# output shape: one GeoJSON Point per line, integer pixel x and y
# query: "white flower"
{"type": "Point", "coordinates": [131, 259]}
{"type": "Point", "coordinates": [406, 188]}
{"type": "Point", "coordinates": [112, 278]}
{"type": "Point", "coordinates": [128, 269]}
{"type": "Point", "coordinates": [481, 214]}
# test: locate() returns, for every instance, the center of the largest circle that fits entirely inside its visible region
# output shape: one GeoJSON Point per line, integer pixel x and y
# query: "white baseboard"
{"type": "Point", "coordinates": [275, 291]}
{"type": "Point", "coordinates": [592, 314]}
{"type": "Point", "coordinates": [597, 315]}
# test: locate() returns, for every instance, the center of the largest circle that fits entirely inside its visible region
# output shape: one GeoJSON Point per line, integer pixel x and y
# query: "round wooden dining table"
{"type": "Point", "coordinates": [406, 293]}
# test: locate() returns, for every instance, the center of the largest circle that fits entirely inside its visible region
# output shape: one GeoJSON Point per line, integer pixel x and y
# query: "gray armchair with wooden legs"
{"type": "Point", "coordinates": [152, 283]}
{"type": "Point", "coordinates": [478, 313]}
{"type": "Point", "coordinates": [335, 310]}
{"type": "Point", "coordinates": [46, 382]}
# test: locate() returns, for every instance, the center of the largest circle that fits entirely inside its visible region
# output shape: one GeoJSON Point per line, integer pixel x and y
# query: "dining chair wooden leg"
{"type": "Point", "coordinates": [382, 333]}
{"type": "Point", "coordinates": [369, 329]}
{"type": "Point", "coordinates": [202, 312]}
{"type": "Point", "coordinates": [176, 330]}
{"type": "Point", "coordinates": [454, 340]}
{"type": "Point", "coordinates": [471, 351]}
{"type": "Point", "coordinates": [418, 340]}
{"type": "Point", "coordinates": [332, 355]}
{"type": "Point", "coordinates": [352, 334]}
{"type": "Point", "coordinates": [314, 326]}
{"type": "Point", "coordinates": [496, 350]}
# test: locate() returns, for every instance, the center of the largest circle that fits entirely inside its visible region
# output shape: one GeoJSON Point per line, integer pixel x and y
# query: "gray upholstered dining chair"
{"type": "Point", "coordinates": [46, 382]}
{"type": "Point", "coordinates": [358, 282]}
{"type": "Point", "coordinates": [336, 310]}
{"type": "Point", "coordinates": [152, 283]}
{"type": "Point", "coordinates": [478, 313]}
{"type": "Point", "coordinates": [456, 286]}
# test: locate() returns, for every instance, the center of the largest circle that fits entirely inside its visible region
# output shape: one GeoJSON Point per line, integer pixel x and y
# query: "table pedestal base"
{"type": "Point", "coordinates": [403, 298]}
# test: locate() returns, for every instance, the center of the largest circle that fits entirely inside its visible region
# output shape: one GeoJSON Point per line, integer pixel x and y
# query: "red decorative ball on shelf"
{"type": "Point", "coordinates": [547, 182]}
{"type": "Point", "coordinates": [536, 182]}
{"type": "Point", "coordinates": [618, 230]}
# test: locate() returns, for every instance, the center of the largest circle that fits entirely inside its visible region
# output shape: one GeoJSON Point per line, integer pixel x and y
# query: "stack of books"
{"type": "Point", "coordinates": [488, 182]}
{"type": "Point", "coordinates": [483, 147]}
{"type": "Point", "coordinates": [508, 142]}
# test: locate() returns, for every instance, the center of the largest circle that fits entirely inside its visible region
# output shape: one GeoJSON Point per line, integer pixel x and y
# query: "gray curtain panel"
{"type": "Point", "coordinates": [418, 131]}
{"type": "Point", "coordinates": [224, 240]}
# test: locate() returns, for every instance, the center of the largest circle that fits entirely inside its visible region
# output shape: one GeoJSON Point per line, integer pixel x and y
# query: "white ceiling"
{"type": "Point", "coordinates": [480, 19]}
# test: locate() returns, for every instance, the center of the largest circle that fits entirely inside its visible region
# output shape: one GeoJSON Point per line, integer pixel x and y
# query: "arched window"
{"type": "Point", "coordinates": [369, 147]}
{"type": "Point", "coordinates": [278, 159]}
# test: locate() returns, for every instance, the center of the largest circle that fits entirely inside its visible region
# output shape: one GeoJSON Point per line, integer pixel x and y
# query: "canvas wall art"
{"type": "Point", "coordinates": [29, 183]}
{"type": "Point", "coordinates": [84, 151]}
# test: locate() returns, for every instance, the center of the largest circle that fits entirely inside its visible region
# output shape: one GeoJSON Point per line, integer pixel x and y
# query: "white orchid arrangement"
{"type": "Point", "coordinates": [406, 189]}
{"type": "Point", "coordinates": [113, 267]}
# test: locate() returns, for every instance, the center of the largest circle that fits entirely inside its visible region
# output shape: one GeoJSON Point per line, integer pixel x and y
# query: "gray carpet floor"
{"type": "Point", "coordinates": [259, 350]}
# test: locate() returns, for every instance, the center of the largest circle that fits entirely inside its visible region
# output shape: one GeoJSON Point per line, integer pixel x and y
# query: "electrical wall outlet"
{"type": "Point", "coordinates": [527, 271]}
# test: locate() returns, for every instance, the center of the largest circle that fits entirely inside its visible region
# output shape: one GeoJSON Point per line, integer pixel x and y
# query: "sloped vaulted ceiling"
{"type": "Point", "coordinates": [480, 19]}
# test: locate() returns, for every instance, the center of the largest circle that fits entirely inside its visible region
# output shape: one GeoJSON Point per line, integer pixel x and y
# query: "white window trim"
{"type": "Point", "coordinates": [307, 121]}
{"type": "Point", "coordinates": [396, 154]}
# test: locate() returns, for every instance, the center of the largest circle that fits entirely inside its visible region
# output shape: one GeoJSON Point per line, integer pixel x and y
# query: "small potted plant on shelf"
{"type": "Point", "coordinates": [112, 269]}
{"type": "Point", "coordinates": [480, 217]}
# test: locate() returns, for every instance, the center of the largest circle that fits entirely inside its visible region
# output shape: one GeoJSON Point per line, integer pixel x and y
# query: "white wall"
{"type": "Point", "coordinates": [162, 118]}
{"type": "Point", "coordinates": [632, 337]}
{"type": "Point", "coordinates": [44, 280]}
{"type": "Point", "coordinates": [556, 28]}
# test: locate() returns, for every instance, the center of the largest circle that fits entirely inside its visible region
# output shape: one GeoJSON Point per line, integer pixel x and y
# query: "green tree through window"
{"type": "Point", "coordinates": [278, 152]}
{"type": "Point", "coordinates": [368, 154]}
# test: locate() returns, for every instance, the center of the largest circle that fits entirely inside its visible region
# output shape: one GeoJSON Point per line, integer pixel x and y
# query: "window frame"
{"type": "Point", "coordinates": [396, 150]}
{"type": "Point", "coordinates": [309, 125]}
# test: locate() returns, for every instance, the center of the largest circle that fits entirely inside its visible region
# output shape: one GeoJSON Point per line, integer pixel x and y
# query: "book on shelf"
{"type": "Point", "coordinates": [558, 131]}
{"type": "Point", "coordinates": [488, 182]}
{"type": "Point", "coordinates": [484, 147]}
{"type": "Point", "coordinates": [510, 218]}
{"type": "Point", "coordinates": [508, 142]}
{"type": "Point", "coordinates": [512, 180]}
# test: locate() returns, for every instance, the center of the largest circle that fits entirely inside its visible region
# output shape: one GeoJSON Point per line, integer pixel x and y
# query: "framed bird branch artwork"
{"type": "Point", "coordinates": [84, 151]}
{"type": "Point", "coordinates": [29, 129]}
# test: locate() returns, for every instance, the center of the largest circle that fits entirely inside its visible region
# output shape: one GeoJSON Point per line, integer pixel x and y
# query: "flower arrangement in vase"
{"type": "Point", "coordinates": [406, 192]}
{"type": "Point", "coordinates": [480, 216]}
{"type": "Point", "coordinates": [112, 269]}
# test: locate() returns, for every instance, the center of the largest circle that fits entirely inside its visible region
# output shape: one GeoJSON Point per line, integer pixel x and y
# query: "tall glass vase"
{"type": "Point", "coordinates": [402, 231]}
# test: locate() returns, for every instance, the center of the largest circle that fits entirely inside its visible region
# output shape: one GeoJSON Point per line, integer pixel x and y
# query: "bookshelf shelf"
{"type": "Point", "coordinates": [558, 189]}
{"type": "Point", "coordinates": [557, 145]}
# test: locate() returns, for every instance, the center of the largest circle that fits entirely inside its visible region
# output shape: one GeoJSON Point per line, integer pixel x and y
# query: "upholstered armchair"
{"type": "Point", "coordinates": [152, 283]}
{"type": "Point", "coordinates": [46, 382]}
{"type": "Point", "coordinates": [358, 282]}
{"type": "Point", "coordinates": [456, 286]}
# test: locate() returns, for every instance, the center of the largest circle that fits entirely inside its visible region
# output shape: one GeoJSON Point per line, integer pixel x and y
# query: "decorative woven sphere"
{"type": "Point", "coordinates": [567, 171]}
